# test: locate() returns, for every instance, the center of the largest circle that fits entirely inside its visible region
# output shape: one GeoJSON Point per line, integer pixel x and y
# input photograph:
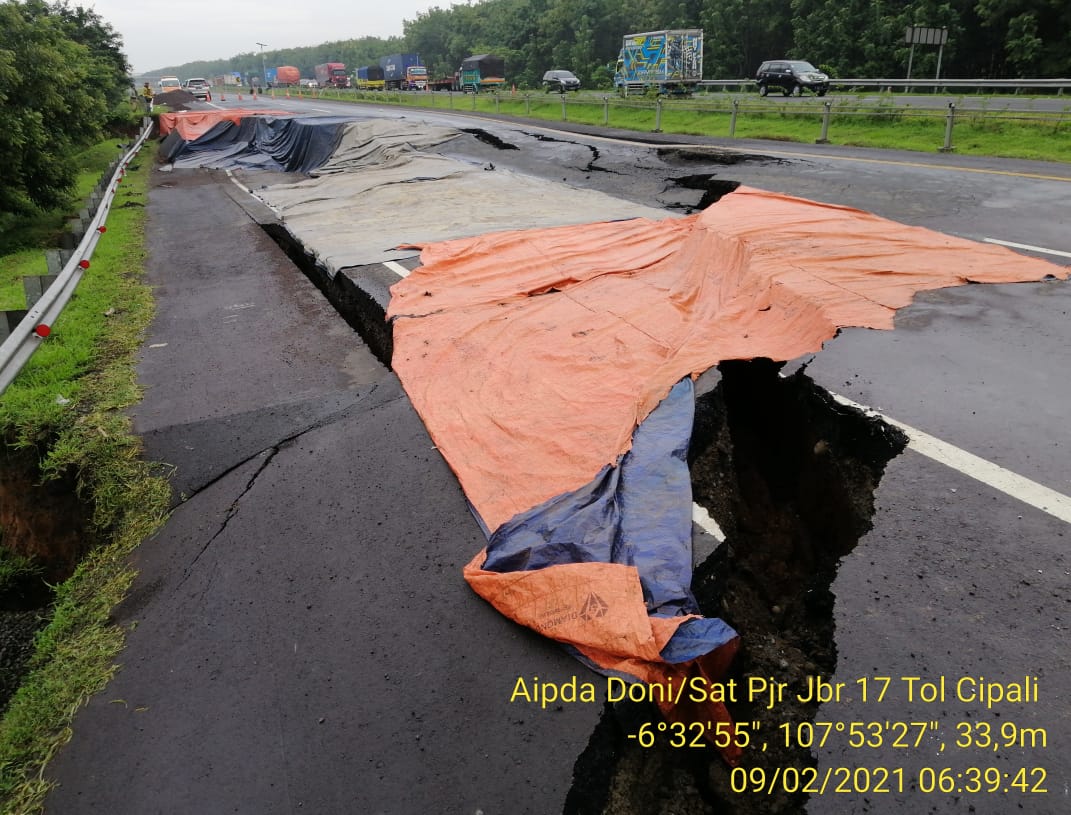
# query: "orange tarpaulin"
{"type": "Point", "coordinates": [538, 352]}
{"type": "Point", "coordinates": [192, 124]}
{"type": "Point", "coordinates": [533, 355]}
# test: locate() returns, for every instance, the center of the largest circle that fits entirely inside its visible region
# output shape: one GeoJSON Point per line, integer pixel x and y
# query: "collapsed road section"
{"type": "Point", "coordinates": [557, 388]}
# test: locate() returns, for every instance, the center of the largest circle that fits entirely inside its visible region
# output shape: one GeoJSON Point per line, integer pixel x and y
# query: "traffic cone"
{"type": "Point", "coordinates": [288, 92]}
{"type": "Point", "coordinates": [239, 97]}
{"type": "Point", "coordinates": [222, 96]}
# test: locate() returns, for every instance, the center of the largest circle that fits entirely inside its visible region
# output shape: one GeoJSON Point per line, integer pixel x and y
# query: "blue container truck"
{"type": "Point", "coordinates": [404, 72]}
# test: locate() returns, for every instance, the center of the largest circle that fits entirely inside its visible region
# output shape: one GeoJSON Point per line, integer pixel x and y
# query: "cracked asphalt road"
{"type": "Point", "coordinates": [301, 638]}
{"type": "Point", "coordinates": [280, 419]}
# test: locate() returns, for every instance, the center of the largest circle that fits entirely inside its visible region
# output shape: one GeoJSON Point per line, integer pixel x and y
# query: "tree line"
{"type": "Point", "coordinates": [847, 38]}
{"type": "Point", "coordinates": [63, 76]}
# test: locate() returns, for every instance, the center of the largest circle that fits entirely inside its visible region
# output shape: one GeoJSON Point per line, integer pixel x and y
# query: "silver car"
{"type": "Point", "coordinates": [199, 88]}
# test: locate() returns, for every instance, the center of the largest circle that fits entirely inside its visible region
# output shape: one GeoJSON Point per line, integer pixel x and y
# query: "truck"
{"type": "Point", "coordinates": [370, 78]}
{"type": "Point", "coordinates": [443, 83]}
{"type": "Point", "coordinates": [404, 72]}
{"type": "Point", "coordinates": [479, 73]}
{"type": "Point", "coordinates": [668, 61]}
{"type": "Point", "coordinates": [283, 77]}
{"type": "Point", "coordinates": [332, 75]}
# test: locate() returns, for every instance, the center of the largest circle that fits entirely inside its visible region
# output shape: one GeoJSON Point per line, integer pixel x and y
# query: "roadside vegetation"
{"type": "Point", "coordinates": [877, 124]}
{"type": "Point", "coordinates": [68, 457]}
{"type": "Point", "coordinates": [63, 421]}
{"type": "Point", "coordinates": [1027, 38]}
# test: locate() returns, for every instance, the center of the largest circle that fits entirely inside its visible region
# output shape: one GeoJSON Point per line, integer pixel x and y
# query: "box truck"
{"type": "Point", "coordinates": [404, 72]}
{"type": "Point", "coordinates": [670, 61]}
{"type": "Point", "coordinates": [332, 75]}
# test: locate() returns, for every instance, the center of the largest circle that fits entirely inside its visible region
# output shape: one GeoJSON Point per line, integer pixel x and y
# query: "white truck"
{"type": "Point", "coordinates": [670, 61]}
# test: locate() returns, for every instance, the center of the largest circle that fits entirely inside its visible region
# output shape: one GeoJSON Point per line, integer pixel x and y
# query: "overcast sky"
{"type": "Point", "coordinates": [157, 35]}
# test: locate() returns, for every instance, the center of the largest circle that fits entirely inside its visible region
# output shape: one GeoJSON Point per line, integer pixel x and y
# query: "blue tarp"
{"type": "Point", "coordinates": [636, 514]}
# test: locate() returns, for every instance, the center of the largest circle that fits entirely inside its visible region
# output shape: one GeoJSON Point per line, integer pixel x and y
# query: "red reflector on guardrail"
{"type": "Point", "coordinates": [42, 330]}
{"type": "Point", "coordinates": [84, 264]}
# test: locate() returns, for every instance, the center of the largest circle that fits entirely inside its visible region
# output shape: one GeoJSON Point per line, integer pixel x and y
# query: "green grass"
{"type": "Point", "coordinates": [14, 568]}
{"type": "Point", "coordinates": [877, 124]}
{"type": "Point", "coordinates": [22, 239]}
{"type": "Point", "coordinates": [43, 229]}
{"type": "Point", "coordinates": [89, 361]}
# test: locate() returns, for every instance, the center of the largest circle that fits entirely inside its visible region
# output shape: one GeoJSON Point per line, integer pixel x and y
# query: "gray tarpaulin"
{"type": "Point", "coordinates": [391, 194]}
{"type": "Point", "coordinates": [375, 185]}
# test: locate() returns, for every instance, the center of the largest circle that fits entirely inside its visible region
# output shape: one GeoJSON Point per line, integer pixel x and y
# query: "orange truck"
{"type": "Point", "coordinates": [285, 76]}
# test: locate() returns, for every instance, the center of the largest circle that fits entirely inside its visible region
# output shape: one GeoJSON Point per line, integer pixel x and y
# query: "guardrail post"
{"type": "Point", "coordinates": [732, 118]}
{"type": "Point", "coordinates": [35, 286]}
{"type": "Point", "coordinates": [70, 237]}
{"type": "Point", "coordinates": [606, 110]}
{"type": "Point", "coordinates": [54, 261]}
{"type": "Point", "coordinates": [950, 119]}
{"type": "Point", "coordinates": [450, 96]}
{"type": "Point", "coordinates": [528, 104]}
{"type": "Point", "coordinates": [9, 321]}
{"type": "Point", "coordinates": [475, 93]}
{"type": "Point", "coordinates": [563, 107]}
{"type": "Point", "coordinates": [658, 116]}
{"type": "Point", "coordinates": [824, 138]}
{"type": "Point", "coordinates": [496, 102]}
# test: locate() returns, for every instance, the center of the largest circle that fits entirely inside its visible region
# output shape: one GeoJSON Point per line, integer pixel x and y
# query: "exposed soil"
{"type": "Point", "coordinates": [713, 188]}
{"type": "Point", "coordinates": [789, 475]}
{"type": "Point", "coordinates": [41, 521]}
{"type": "Point", "coordinates": [45, 523]}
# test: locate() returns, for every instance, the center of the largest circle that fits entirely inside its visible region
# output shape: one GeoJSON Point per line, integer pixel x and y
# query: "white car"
{"type": "Point", "coordinates": [309, 83]}
{"type": "Point", "coordinates": [199, 88]}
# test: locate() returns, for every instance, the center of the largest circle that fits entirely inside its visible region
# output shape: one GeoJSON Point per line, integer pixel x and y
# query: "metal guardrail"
{"type": "Point", "coordinates": [35, 327]}
{"type": "Point", "coordinates": [919, 82]}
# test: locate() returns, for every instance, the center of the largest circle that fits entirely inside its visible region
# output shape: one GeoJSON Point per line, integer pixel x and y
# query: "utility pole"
{"type": "Point", "coordinates": [263, 65]}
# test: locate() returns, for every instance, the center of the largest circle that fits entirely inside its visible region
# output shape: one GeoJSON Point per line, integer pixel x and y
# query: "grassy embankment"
{"type": "Point", "coordinates": [63, 417]}
{"type": "Point", "coordinates": [879, 124]}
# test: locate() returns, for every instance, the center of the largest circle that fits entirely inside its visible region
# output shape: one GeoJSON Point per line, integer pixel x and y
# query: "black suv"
{"type": "Point", "coordinates": [790, 74]}
{"type": "Point", "coordinates": [560, 81]}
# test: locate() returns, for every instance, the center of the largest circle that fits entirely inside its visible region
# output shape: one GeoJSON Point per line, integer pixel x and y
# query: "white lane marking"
{"type": "Point", "coordinates": [238, 183]}
{"type": "Point", "coordinates": [701, 517]}
{"type": "Point", "coordinates": [993, 475]}
{"type": "Point", "coordinates": [1027, 247]}
{"type": "Point", "coordinates": [397, 268]}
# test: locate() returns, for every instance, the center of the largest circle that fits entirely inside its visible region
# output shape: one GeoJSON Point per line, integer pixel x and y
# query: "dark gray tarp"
{"type": "Point", "coordinates": [291, 144]}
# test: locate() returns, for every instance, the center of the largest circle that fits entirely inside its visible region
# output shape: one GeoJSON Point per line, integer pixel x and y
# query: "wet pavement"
{"type": "Point", "coordinates": [300, 636]}
{"type": "Point", "coordinates": [309, 662]}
